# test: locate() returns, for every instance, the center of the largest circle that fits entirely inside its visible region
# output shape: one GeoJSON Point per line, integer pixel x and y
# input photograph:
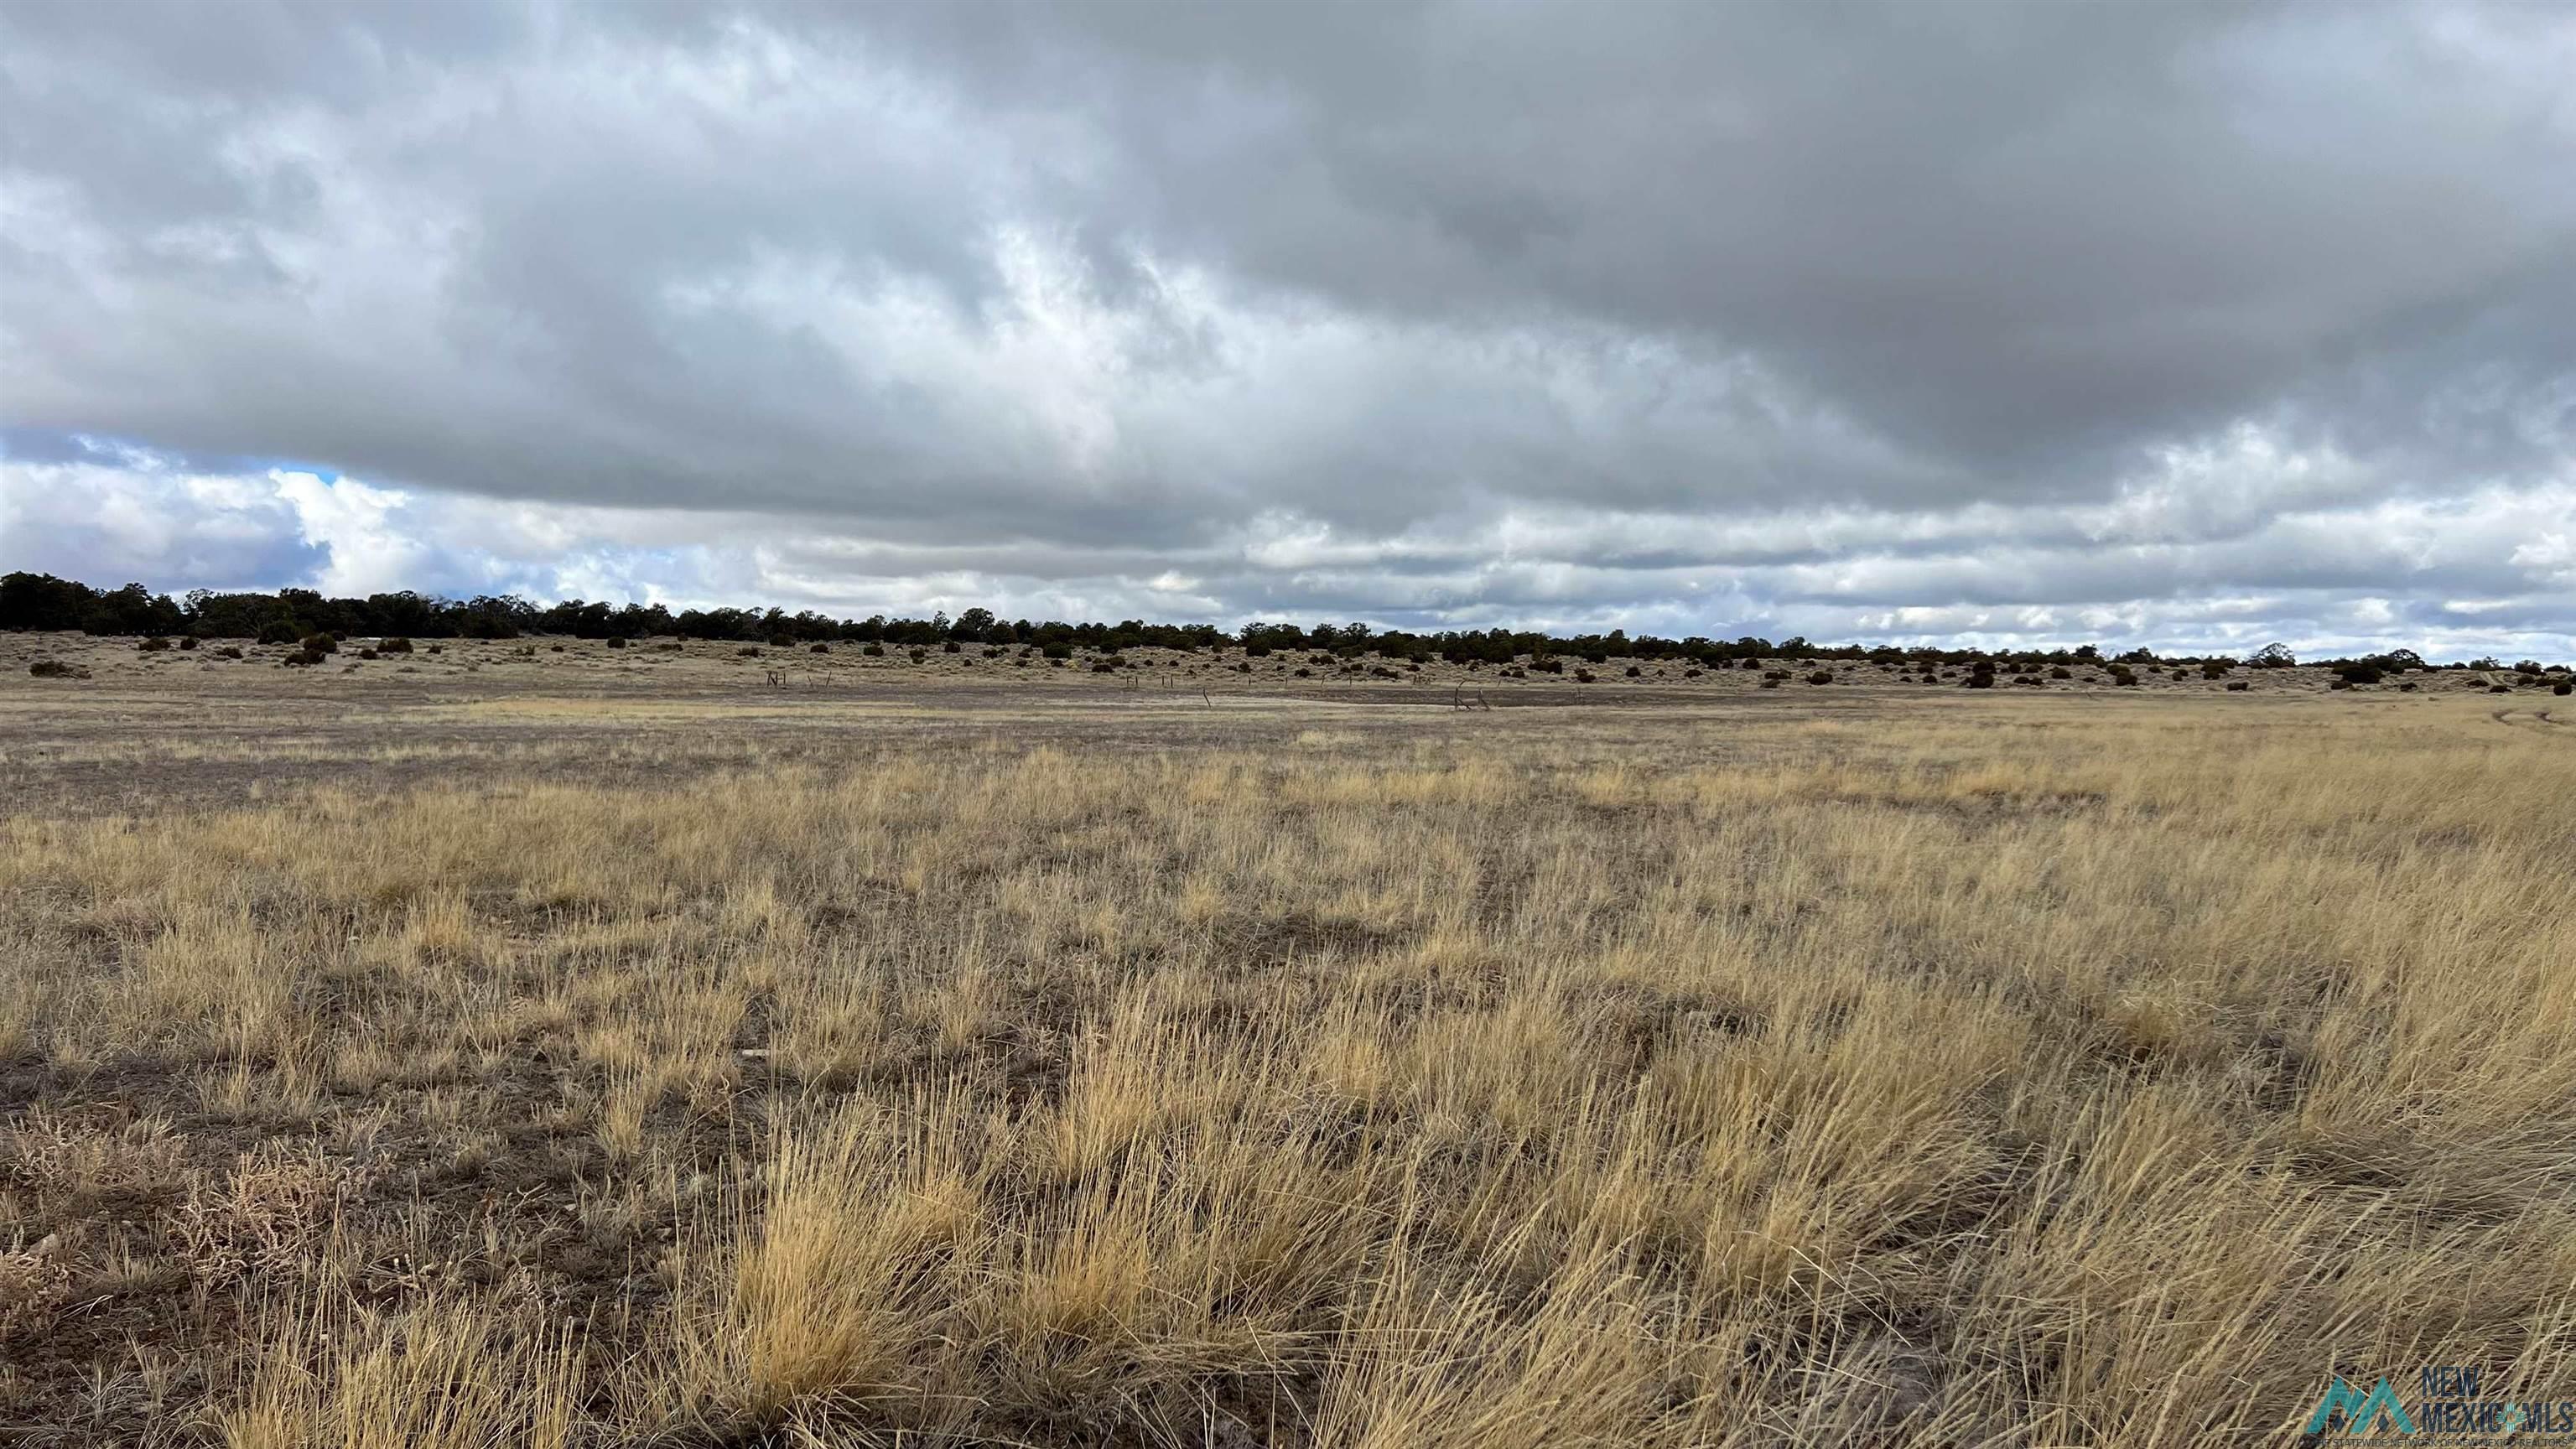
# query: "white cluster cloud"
{"type": "Point", "coordinates": [2471, 575]}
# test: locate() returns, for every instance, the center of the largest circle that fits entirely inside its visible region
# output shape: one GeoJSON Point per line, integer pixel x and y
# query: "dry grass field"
{"type": "Point", "coordinates": [438, 1060]}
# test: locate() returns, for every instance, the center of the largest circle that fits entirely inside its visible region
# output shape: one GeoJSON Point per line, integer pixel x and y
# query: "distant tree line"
{"type": "Point", "coordinates": [31, 601]}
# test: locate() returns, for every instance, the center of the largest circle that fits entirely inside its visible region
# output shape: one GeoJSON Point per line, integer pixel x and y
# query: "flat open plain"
{"type": "Point", "coordinates": [512, 1046]}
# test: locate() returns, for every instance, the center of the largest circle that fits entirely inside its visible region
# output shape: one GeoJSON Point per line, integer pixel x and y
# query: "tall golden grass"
{"type": "Point", "coordinates": [2049, 1077]}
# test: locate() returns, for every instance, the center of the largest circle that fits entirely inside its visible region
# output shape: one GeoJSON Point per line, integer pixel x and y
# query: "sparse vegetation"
{"type": "Point", "coordinates": [1628, 1078]}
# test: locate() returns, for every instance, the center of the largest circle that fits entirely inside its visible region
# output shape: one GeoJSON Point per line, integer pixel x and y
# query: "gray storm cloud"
{"type": "Point", "coordinates": [1904, 320]}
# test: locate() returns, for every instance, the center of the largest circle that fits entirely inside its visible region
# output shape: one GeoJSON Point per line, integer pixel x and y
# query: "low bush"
{"type": "Point", "coordinates": [1770, 683]}
{"type": "Point", "coordinates": [2060, 671]}
{"type": "Point", "coordinates": [820, 649]}
{"type": "Point", "coordinates": [366, 653]}
{"type": "Point", "coordinates": [280, 631]}
{"type": "Point", "coordinates": [400, 645]}
{"type": "Point", "coordinates": [229, 651]}
{"type": "Point", "coordinates": [1583, 676]}
{"type": "Point", "coordinates": [321, 644]}
{"type": "Point", "coordinates": [2561, 687]}
{"type": "Point", "coordinates": [154, 645]}
{"type": "Point", "coordinates": [2237, 685]}
{"type": "Point", "coordinates": [304, 658]}
{"type": "Point", "coordinates": [188, 642]}
{"type": "Point", "coordinates": [1634, 671]}
{"type": "Point", "coordinates": [1821, 676]}
{"type": "Point", "coordinates": [618, 641]}
{"type": "Point", "coordinates": [918, 655]}
{"type": "Point", "coordinates": [782, 641]}
{"type": "Point", "coordinates": [877, 651]}
{"type": "Point", "coordinates": [57, 669]}
{"type": "Point", "coordinates": [948, 648]}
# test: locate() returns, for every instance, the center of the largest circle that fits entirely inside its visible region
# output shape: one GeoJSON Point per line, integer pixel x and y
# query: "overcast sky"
{"type": "Point", "coordinates": [2161, 323]}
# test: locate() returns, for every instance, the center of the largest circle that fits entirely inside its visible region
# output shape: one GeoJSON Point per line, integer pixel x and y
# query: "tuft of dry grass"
{"type": "Point", "coordinates": [2031, 1074]}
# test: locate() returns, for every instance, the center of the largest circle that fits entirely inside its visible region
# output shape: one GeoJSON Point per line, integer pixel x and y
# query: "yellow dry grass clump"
{"type": "Point", "coordinates": [2047, 1077]}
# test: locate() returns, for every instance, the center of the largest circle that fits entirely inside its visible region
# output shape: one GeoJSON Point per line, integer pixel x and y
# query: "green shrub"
{"type": "Point", "coordinates": [820, 649]}
{"type": "Point", "coordinates": [280, 631]}
{"type": "Point", "coordinates": [782, 641]}
{"type": "Point", "coordinates": [229, 651]}
{"type": "Point", "coordinates": [2237, 685]}
{"type": "Point", "coordinates": [2060, 671]}
{"type": "Point", "coordinates": [57, 669]}
{"type": "Point", "coordinates": [188, 642]}
{"type": "Point", "coordinates": [1821, 676]}
{"type": "Point", "coordinates": [918, 655]}
{"type": "Point", "coordinates": [873, 651]}
{"type": "Point", "coordinates": [399, 645]}
{"type": "Point", "coordinates": [618, 641]}
{"type": "Point", "coordinates": [154, 645]}
{"type": "Point", "coordinates": [1583, 676]}
{"type": "Point", "coordinates": [321, 644]}
{"type": "Point", "coordinates": [304, 658]}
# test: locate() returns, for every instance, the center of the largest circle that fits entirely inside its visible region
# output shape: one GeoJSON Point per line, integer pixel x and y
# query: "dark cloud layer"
{"type": "Point", "coordinates": [2040, 321]}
